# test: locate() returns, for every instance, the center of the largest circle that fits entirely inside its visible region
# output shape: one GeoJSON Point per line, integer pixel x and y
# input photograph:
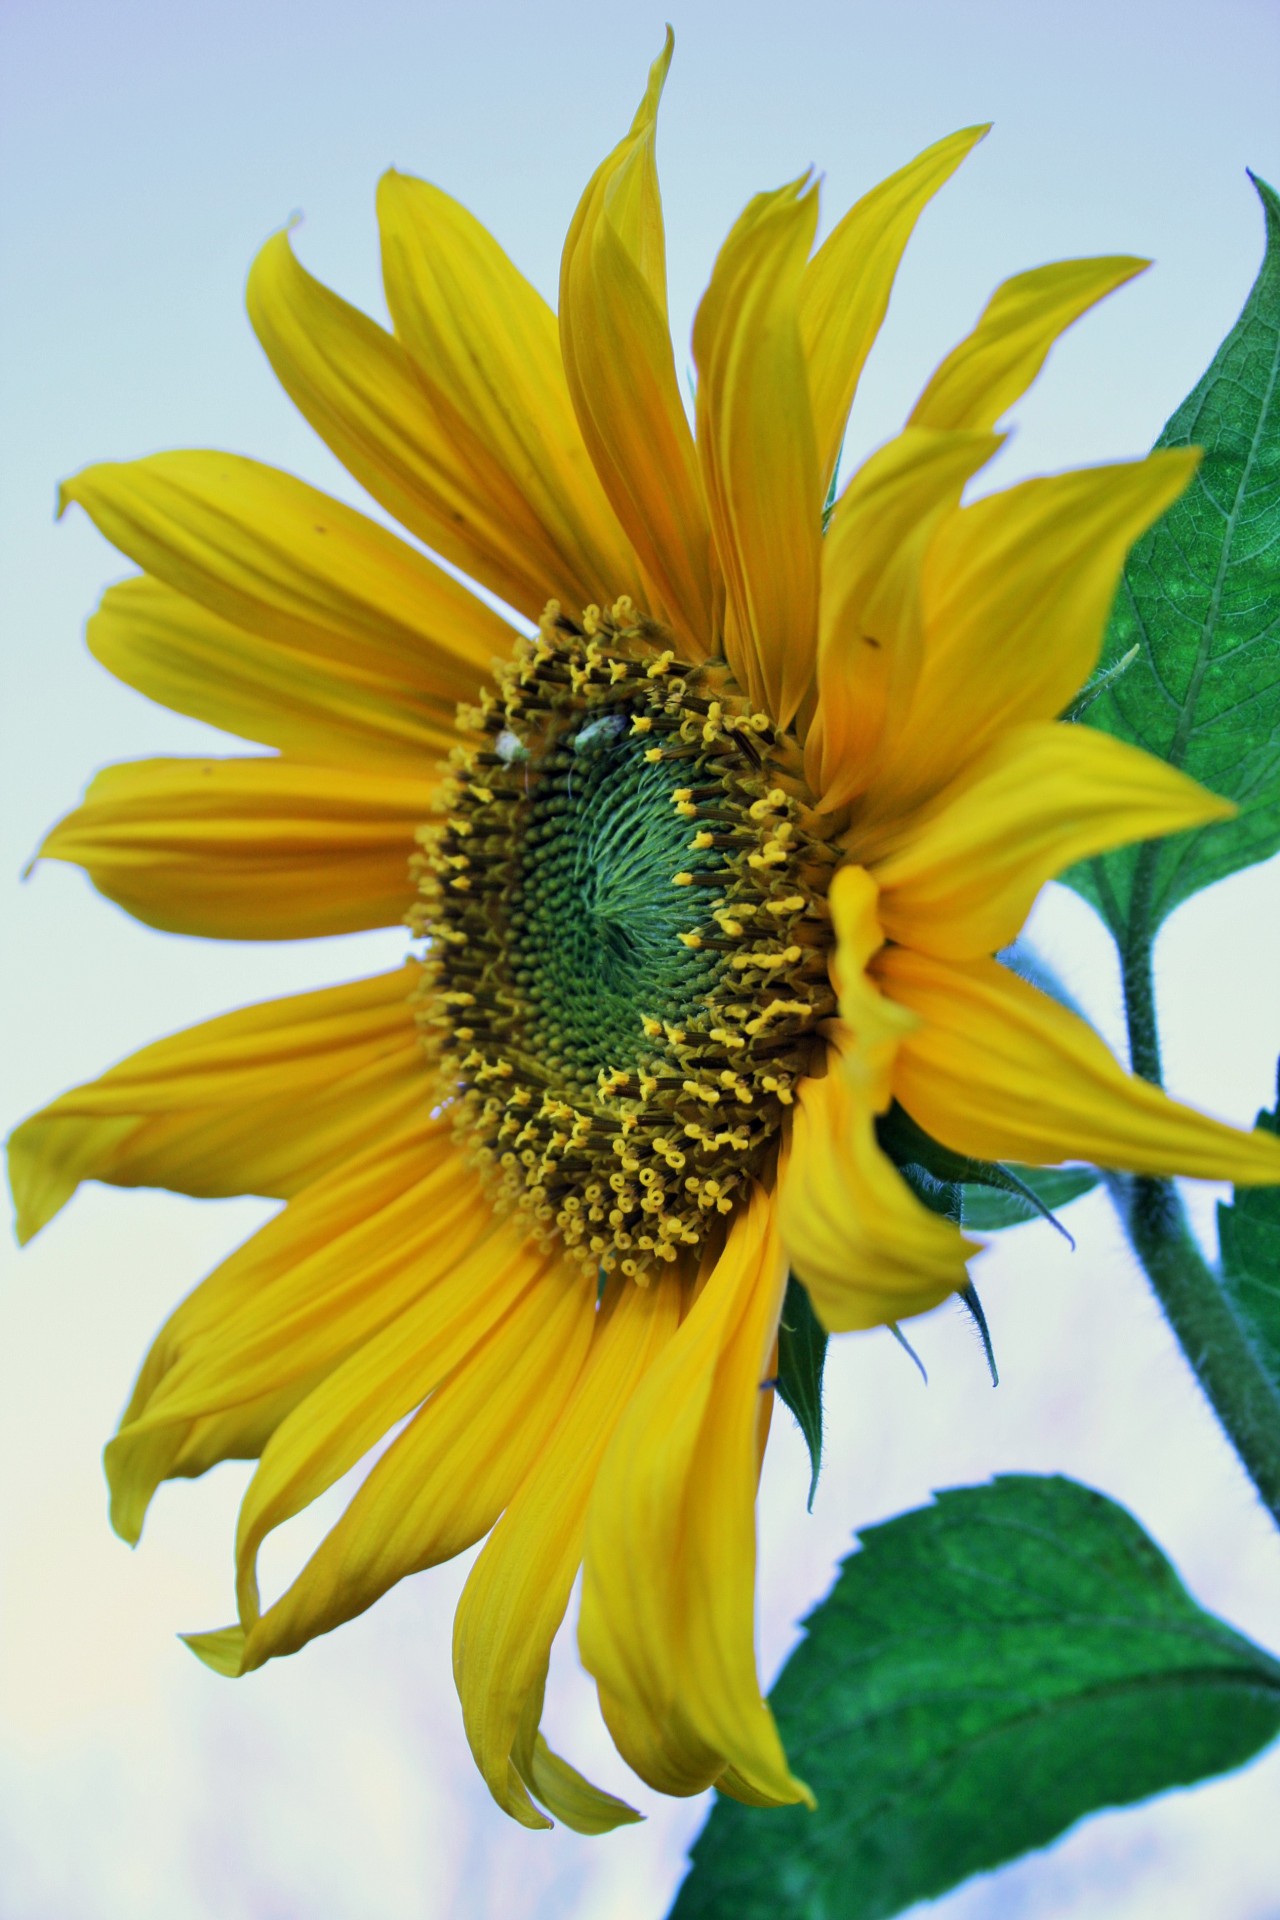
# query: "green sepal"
{"type": "Point", "coordinates": [1098, 684]}
{"type": "Point", "coordinates": [913, 1152]}
{"type": "Point", "coordinates": [1046, 1190]}
{"type": "Point", "coordinates": [977, 1313]}
{"type": "Point", "coordinates": [1249, 1238]}
{"type": "Point", "coordinates": [802, 1355]}
{"type": "Point", "coordinates": [986, 1671]}
{"type": "Point", "coordinates": [940, 1196]}
{"type": "Point", "coordinates": [1200, 598]}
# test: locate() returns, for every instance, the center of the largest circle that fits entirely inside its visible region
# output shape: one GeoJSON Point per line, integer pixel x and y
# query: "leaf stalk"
{"type": "Point", "coordinates": [1197, 1307]}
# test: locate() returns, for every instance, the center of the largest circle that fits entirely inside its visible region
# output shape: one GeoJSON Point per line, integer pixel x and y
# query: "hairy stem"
{"type": "Point", "coordinates": [1202, 1317]}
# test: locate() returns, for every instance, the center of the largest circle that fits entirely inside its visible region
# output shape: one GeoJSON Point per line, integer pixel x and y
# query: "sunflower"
{"type": "Point", "coordinates": [709, 848]}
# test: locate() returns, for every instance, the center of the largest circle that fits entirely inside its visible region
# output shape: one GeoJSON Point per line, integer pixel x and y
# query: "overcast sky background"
{"type": "Point", "coordinates": [146, 152]}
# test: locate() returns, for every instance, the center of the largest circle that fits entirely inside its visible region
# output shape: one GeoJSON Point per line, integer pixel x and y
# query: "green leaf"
{"type": "Point", "coordinates": [1053, 1187]}
{"type": "Point", "coordinates": [802, 1354]}
{"type": "Point", "coordinates": [1201, 600]}
{"type": "Point", "coordinates": [1249, 1236]}
{"type": "Point", "coordinates": [986, 1670]}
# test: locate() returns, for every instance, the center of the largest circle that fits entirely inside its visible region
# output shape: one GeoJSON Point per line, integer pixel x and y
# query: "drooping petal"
{"type": "Point", "coordinates": [1016, 593]}
{"type": "Point", "coordinates": [263, 1100]}
{"type": "Point", "coordinates": [667, 1625]}
{"type": "Point", "coordinates": [869, 635]}
{"type": "Point", "coordinates": [517, 1592]}
{"type": "Point", "coordinates": [257, 849]}
{"type": "Point", "coordinates": [316, 707]}
{"type": "Point", "coordinates": [284, 561]}
{"type": "Point", "coordinates": [486, 350]}
{"type": "Point", "coordinates": [846, 286]}
{"type": "Point", "coordinates": [237, 1433]}
{"type": "Point", "coordinates": [872, 1022]}
{"type": "Point", "coordinates": [995, 364]}
{"type": "Point", "coordinates": [866, 1248]}
{"type": "Point", "coordinates": [358, 387]}
{"type": "Point", "coordinates": [444, 1480]}
{"type": "Point", "coordinates": [869, 1252]}
{"type": "Point", "coordinates": [616, 339]}
{"type": "Point", "coordinates": [998, 1070]}
{"type": "Point", "coordinates": [336, 1265]}
{"type": "Point", "coordinates": [562, 1790]}
{"type": "Point", "coordinates": [757, 447]}
{"type": "Point", "coordinates": [1040, 798]}
{"type": "Point", "coordinates": [501, 1278]}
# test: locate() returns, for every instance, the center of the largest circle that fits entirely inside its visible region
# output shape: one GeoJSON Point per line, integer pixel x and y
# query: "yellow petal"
{"type": "Point", "coordinates": [486, 349]}
{"type": "Point", "coordinates": [998, 361]}
{"type": "Point", "coordinates": [382, 1380]}
{"type": "Point", "coordinates": [193, 661]}
{"type": "Point", "coordinates": [259, 849]}
{"type": "Point", "coordinates": [1040, 798]}
{"type": "Point", "coordinates": [873, 1024]}
{"type": "Point", "coordinates": [222, 1650]}
{"type": "Point", "coordinates": [997, 1070]}
{"type": "Point", "coordinates": [284, 561]}
{"type": "Point", "coordinates": [869, 1252]}
{"type": "Point", "coordinates": [237, 1433]}
{"type": "Point", "coordinates": [259, 1101]}
{"type": "Point", "coordinates": [757, 448]}
{"type": "Point", "coordinates": [444, 1480]}
{"type": "Point", "coordinates": [869, 635]}
{"type": "Point", "coordinates": [616, 340]}
{"type": "Point", "coordinates": [570, 1797]}
{"type": "Point", "coordinates": [846, 286]}
{"type": "Point", "coordinates": [358, 387]}
{"type": "Point", "coordinates": [866, 1248]}
{"type": "Point", "coordinates": [517, 1592]}
{"type": "Point", "coordinates": [1016, 593]}
{"type": "Point", "coordinates": [324, 1276]}
{"type": "Point", "coordinates": [667, 1624]}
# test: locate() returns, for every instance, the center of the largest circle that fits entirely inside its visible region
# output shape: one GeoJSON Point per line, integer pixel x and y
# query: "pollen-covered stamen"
{"type": "Point", "coordinates": [628, 933]}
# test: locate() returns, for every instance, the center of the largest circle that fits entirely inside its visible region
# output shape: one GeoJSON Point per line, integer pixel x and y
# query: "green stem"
{"type": "Point", "coordinates": [1201, 1314]}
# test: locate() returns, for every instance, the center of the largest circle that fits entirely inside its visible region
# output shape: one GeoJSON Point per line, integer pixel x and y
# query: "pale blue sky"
{"type": "Point", "coordinates": [146, 151]}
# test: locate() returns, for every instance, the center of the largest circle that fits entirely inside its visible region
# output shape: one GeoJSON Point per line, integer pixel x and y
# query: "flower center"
{"type": "Point", "coordinates": [628, 933]}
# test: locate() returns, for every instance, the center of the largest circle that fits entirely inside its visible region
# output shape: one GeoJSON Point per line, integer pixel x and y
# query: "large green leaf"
{"type": "Point", "coordinates": [985, 1671]}
{"type": "Point", "coordinates": [1201, 601]}
{"type": "Point", "coordinates": [1249, 1235]}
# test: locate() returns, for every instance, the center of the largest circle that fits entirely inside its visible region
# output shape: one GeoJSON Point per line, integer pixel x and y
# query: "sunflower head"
{"type": "Point", "coordinates": [627, 960]}
{"type": "Point", "coordinates": [714, 871]}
